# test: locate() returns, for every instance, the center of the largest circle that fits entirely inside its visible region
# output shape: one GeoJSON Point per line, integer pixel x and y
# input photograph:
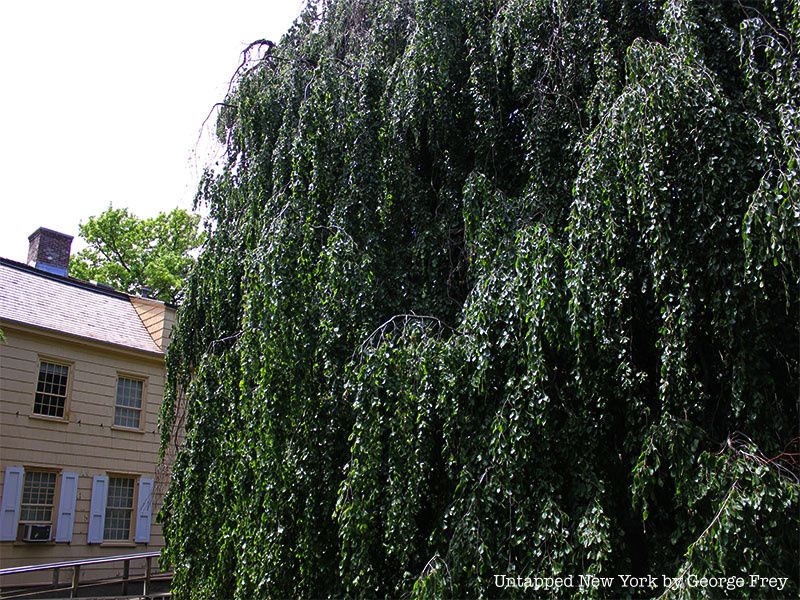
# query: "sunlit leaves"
{"type": "Point", "coordinates": [150, 256]}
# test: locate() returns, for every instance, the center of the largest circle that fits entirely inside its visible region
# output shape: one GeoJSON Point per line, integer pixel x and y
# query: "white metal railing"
{"type": "Point", "coordinates": [147, 579]}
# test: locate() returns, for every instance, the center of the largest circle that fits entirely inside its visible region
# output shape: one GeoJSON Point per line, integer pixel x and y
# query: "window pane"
{"type": "Point", "coordinates": [37, 497]}
{"type": "Point", "coordinates": [129, 402]}
{"type": "Point", "coordinates": [51, 390]}
{"type": "Point", "coordinates": [119, 508]}
{"type": "Point", "coordinates": [126, 417]}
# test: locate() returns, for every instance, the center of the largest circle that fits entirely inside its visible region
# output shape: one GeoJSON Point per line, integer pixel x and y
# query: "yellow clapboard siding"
{"type": "Point", "coordinates": [81, 444]}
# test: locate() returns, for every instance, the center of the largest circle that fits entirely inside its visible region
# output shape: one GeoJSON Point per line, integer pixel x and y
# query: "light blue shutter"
{"type": "Point", "coordinates": [97, 510]}
{"type": "Point", "coordinates": [9, 509]}
{"type": "Point", "coordinates": [66, 507]}
{"type": "Point", "coordinates": [144, 510]}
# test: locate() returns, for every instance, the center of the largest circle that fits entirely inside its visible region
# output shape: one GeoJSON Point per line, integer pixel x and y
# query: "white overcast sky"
{"type": "Point", "coordinates": [102, 102]}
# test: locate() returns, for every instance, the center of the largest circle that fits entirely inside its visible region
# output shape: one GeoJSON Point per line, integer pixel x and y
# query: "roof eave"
{"type": "Point", "coordinates": [11, 324]}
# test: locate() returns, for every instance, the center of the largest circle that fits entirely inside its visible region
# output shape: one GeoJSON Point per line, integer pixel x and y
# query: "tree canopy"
{"type": "Point", "coordinates": [496, 288]}
{"type": "Point", "coordinates": [137, 255]}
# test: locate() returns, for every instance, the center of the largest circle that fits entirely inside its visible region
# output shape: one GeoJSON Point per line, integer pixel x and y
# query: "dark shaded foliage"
{"type": "Point", "coordinates": [496, 288]}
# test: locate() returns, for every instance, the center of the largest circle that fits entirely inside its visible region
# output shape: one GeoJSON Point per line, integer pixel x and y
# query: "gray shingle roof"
{"type": "Point", "coordinates": [69, 306]}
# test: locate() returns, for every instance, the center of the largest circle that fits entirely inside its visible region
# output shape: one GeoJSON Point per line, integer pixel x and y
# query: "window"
{"type": "Point", "coordinates": [38, 493]}
{"type": "Point", "coordinates": [128, 407]}
{"type": "Point", "coordinates": [119, 509]}
{"type": "Point", "coordinates": [51, 390]}
{"type": "Point", "coordinates": [35, 502]}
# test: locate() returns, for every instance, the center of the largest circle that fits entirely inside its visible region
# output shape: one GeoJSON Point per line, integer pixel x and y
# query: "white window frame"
{"type": "Point", "coordinates": [69, 365]}
{"type": "Point", "coordinates": [143, 404]}
{"type": "Point", "coordinates": [53, 504]}
{"type": "Point", "coordinates": [132, 518]}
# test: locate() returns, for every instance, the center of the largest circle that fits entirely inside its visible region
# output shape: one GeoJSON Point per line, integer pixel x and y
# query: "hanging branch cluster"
{"type": "Point", "coordinates": [601, 198]}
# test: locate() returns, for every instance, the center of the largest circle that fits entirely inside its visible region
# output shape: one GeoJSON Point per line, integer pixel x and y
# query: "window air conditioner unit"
{"type": "Point", "coordinates": [32, 532]}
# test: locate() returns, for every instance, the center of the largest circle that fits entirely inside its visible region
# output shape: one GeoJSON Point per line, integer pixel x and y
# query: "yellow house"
{"type": "Point", "coordinates": [81, 382]}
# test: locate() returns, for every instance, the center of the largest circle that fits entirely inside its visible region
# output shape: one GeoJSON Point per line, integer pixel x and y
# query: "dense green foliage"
{"type": "Point", "coordinates": [496, 288]}
{"type": "Point", "coordinates": [134, 255]}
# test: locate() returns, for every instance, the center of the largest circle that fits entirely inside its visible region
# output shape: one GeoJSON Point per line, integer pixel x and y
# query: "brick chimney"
{"type": "Point", "coordinates": [49, 251]}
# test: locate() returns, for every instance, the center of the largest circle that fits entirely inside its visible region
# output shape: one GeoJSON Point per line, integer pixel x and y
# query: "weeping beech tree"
{"type": "Point", "coordinates": [496, 288]}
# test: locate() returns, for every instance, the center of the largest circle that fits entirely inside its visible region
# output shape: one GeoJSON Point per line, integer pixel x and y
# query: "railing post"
{"type": "Point", "coordinates": [55, 577]}
{"type": "Point", "coordinates": [126, 571]}
{"type": "Point", "coordinates": [147, 569]}
{"type": "Point", "coordinates": [76, 579]}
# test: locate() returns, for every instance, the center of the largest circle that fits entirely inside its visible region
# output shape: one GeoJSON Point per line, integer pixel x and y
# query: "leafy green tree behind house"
{"type": "Point", "coordinates": [134, 255]}
{"type": "Point", "coordinates": [497, 287]}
